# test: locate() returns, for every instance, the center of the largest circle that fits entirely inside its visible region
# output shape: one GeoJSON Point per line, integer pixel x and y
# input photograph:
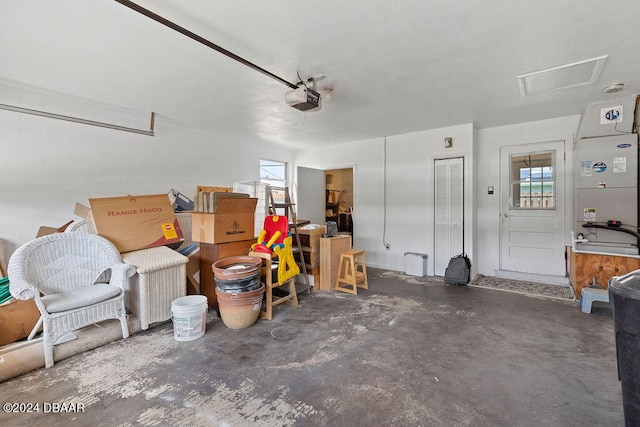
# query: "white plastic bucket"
{"type": "Point", "coordinates": [189, 317]}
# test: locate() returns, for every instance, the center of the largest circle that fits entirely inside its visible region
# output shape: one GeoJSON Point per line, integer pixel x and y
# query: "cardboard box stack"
{"type": "Point", "coordinates": [224, 226]}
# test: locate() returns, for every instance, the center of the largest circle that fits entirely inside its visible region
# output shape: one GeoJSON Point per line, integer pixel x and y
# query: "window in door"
{"type": "Point", "coordinates": [533, 181]}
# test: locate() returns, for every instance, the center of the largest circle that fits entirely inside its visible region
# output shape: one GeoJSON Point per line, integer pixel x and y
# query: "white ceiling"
{"type": "Point", "coordinates": [396, 66]}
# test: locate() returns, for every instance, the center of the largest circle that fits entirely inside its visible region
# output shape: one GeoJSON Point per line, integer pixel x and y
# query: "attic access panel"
{"type": "Point", "coordinates": [580, 73]}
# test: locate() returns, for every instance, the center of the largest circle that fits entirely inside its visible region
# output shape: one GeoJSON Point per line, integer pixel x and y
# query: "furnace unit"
{"type": "Point", "coordinates": [606, 191]}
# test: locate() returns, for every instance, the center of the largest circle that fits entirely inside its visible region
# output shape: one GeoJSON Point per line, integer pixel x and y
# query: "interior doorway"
{"type": "Point", "coordinates": [339, 198]}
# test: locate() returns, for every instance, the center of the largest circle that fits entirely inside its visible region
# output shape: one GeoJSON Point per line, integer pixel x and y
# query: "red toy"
{"type": "Point", "coordinates": [276, 229]}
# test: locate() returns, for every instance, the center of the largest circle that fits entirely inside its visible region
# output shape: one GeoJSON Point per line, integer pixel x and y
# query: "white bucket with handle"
{"type": "Point", "coordinates": [189, 317]}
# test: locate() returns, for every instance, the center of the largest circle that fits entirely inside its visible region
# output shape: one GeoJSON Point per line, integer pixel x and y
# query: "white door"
{"type": "Point", "coordinates": [532, 208]}
{"type": "Point", "coordinates": [310, 194]}
{"type": "Point", "coordinates": [449, 211]}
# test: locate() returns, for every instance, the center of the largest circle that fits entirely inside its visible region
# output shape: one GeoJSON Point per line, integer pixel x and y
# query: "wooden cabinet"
{"type": "Point", "coordinates": [330, 249]}
{"type": "Point", "coordinates": [310, 246]}
{"type": "Point", "coordinates": [210, 253]}
{"type": "Point", "coordinates": [585, 267]}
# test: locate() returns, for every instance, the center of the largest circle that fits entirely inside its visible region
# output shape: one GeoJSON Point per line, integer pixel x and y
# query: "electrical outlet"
{"type": "Point", "coordinates": [387, 245]}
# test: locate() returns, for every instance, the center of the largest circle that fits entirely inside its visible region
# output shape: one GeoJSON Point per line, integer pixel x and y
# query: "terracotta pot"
{"type": "Point", "coordinates": [236, 267]}
{"type": "Point", "coordinates": [237, 274]}
{"type": "Point", "coordinates": [240, 310]}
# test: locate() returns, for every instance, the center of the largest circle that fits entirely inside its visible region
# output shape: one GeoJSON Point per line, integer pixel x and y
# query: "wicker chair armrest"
{"type": "Point", "coordinates": [22, 289]}
{"type": "Point", "coordinates": [120, 273]}
{"type": "Point", "coordinates": [19, 286]}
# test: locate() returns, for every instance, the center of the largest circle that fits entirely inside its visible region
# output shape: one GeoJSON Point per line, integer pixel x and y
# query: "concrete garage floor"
{"type": "Point", "coordinates": [407, 352]}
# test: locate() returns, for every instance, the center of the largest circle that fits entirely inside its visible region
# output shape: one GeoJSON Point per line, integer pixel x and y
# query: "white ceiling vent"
{"type": "Point", "coordinates": [577, 74]}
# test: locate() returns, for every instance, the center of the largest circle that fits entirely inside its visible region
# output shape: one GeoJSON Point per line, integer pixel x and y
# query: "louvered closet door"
{"type": "Point", "coordinates": [449, 211]}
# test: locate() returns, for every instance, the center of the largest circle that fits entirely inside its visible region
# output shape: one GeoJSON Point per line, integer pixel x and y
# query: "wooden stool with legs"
{"type": "Point", "coordinates": [352, 271]}
{"type": "Point", "coordinates": [270, 300]}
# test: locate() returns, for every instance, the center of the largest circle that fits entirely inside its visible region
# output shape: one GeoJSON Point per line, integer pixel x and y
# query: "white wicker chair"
{"type": "Point", "coordinates": [76, 279]}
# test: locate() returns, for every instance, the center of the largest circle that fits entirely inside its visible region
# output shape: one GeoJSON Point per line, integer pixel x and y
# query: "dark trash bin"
{"type": "Point", "coordinates": [624, 294]}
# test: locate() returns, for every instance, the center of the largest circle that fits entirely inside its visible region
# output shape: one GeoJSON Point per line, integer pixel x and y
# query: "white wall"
{"type": "Point", "coordinates": [409, 183]}
{"type": "Point", "coordinates": [489, 142]}
{"type": "Point", "coordinates": [48, 165]}
{"type": "Point", "coordinates": [409, 190]}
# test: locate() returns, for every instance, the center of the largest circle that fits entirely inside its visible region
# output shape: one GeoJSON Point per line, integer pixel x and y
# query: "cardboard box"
{"type": "Point", "coordinates": [310, 239]}
{"type": "Point", "coordinates": [44, 230]}
{"type": "Point", "coordinates": [136, 222]}
{"type": "Point", "coordinates": [232, 222]}
{"type": "Point", "coordinates": [208, 201]}
{"type": "Point", "coordinates": [17, 319]}
{"type": "Point", "coordinates": [203, 192]}
{"type": "Point", "coordinates": [85, 212]}
{"type": "Point", "coordinates": [3, 265]}
{"type": "Point", "coordinates": [193, 272]}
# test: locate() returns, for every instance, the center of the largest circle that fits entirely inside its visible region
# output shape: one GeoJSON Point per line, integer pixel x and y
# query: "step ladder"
{"type": "Point", "coordinates": [280, 203]}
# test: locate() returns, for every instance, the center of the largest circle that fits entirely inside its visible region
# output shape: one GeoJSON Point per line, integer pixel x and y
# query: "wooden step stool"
{"type": "Point", "coordinates": [350, 274]}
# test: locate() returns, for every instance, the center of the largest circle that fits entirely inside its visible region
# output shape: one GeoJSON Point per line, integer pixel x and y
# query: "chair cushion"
{"type": "Point", "coordinates": [77, 298]}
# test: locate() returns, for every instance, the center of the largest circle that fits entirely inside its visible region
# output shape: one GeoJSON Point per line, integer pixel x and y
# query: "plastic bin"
{"type": "Point", "coordinates": [624, 294]}
{"type": "Point", "coordinates": [415, 264]}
